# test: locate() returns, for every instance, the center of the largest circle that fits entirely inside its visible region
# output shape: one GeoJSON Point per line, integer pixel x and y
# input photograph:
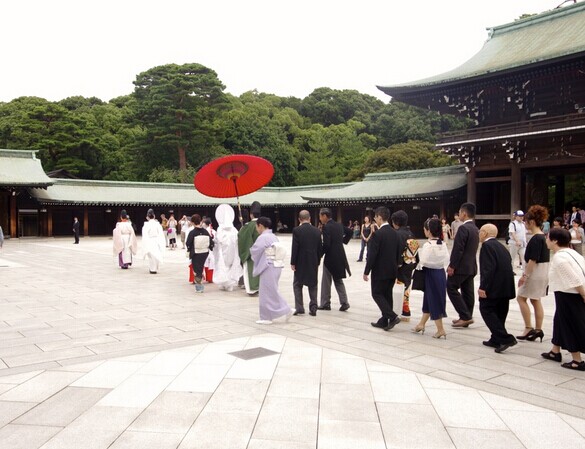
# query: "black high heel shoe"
{"type": "Point", "coordinates": [525, 337]}
{"type": "Point", "coordinates": [537, 333]}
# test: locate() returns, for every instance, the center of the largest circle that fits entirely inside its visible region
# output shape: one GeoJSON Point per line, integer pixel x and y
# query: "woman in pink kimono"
{"type": "Point", "coordinates": [268, 257]}
{"type": "Point", "coordinates": [125, 243]}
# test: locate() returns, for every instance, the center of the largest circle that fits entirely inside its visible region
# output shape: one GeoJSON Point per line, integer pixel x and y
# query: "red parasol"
{"type": "Point", "coordinates": [232, 176]}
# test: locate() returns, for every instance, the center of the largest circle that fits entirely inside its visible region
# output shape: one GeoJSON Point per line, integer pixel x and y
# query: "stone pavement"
{"type": "Point", "coordinates": [92, 356]}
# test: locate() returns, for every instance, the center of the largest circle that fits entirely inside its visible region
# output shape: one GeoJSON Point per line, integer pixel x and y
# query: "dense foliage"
{"type": "Point", "coordinates": [178, 118]}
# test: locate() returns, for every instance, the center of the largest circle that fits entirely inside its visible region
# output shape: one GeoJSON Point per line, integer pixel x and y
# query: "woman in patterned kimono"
{"type": "Point", "coordinates": [125, 243]}
{"type": "Point", "coordinates": [268, 257]}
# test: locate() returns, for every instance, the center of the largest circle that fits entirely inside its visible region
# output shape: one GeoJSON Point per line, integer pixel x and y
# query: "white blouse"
{"type": "Point", "coordinates": [567, 271]}
{"type": "Point", "coordinates": [434, 256]}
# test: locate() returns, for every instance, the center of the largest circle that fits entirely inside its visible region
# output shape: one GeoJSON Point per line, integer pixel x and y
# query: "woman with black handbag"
{"type": "Point", "coordinates": [434, 259]}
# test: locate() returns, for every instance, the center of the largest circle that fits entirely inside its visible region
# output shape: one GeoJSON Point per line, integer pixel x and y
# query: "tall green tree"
{"type": "Point", "coordinates": [178, 106]}
{"type": "Point", "coordinates": [411, 155]}
{"type": "Point", "coordinates": [259, 125]}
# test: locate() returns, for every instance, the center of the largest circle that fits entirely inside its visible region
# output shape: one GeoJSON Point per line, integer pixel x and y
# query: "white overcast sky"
{"type": "Point", "coordinates": [55, 49]}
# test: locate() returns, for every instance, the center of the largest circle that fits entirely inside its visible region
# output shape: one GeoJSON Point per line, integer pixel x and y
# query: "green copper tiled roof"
{"type": "Point", "coordinates": [378, 186]}
{"type": "Point", "coordinates": [77, 191]}
{"type": "Point", "coordinates": [559, 33]}
{"type": "Point", "coordinates": [22, 169]}
{"type": "Point", "coordinates": [404, 185]}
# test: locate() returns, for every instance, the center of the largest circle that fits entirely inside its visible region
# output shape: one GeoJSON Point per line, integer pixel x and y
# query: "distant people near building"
{"type": "Point", "coordinates": [533, 284]}
{"type": "Point", "coordinates": [76, 230]}
{"type": "Point", "coordinates": [446, 230]}
{"type": "Point", "coordinates": [165, 225]}
{"type": "Point", "coordinates": [558, 223]}
{"type": "Point", "coordinates": [306, 253]}
{"type": "Point", "coordinates": [172, 232]}
{"type": "Point", "coordinates": [577, 235]}
{"type": "Point", "coordinates": [574, 214]}
{"type": "Point", "coordinates": [365, 234]}
{"type": "Point", "coordinates": [199, 244]}
{"type": "Point", "coordinates": [153, 241]}
{"type": "Point", "coordinates": [268, 256]}
{"type": "Point", "coordinates": [409, 258]}
{"type": "Point", "coordinates": [335, 265]}
{"type": "Point", "coordinates": [567, 219]}
{"type": "Point", "coordinates": [183, 223]}
{"type": "Point", "coordinates": [496, 288]}
{"type": "Point", "coordinates": [246, 238]}
{"type": "Point", "coordinates": [228, 269]}
{"type": "Point", "coordinates": [382, 262]}
{"type": "Point", "coordinates": [463, 267]}
{"type": "Point", "coordinates": [356, 229]}
{"type": "Point", "coordinates": [517, 239]}
{"type": "Point", "coordinates": [209, 265]}
{"type": "Point", "coordinates": [567, 280]}
{"type": "Point", "coordinates": [434, 259]}
{"type": "Point", "coordinates": [546, 227]}
{"type": "Point", "coordinates": [125, 243]}
{"type": "Point", "coordinates": [455, 226]}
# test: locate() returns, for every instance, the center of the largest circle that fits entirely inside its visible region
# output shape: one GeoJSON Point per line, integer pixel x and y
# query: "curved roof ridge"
{"type": "Point", "coordinates": [544, 37]}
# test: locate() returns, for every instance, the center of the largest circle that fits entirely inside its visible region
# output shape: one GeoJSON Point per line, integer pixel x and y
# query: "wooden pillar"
{"type": "Point", "coordinates": [85, 222]}
{"type": "Point", "coordinates": [339, 214]}
{"type": "Point", "coordinates": [13, 215]}
{"type": "Point", "coordinates": [559, 197]}
{"type": "Point", "coordinates": [515, 187]}
{"type": "Point", "coordinates": [471, 187]}
{"type": "Point", "coordinates": [50, 222]}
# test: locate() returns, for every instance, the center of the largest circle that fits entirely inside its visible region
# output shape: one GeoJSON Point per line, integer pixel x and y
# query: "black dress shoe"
{"type": "Point", "coordinates": [505, 346]}
{"type": "Point", "coordinates": [392, 323]}
{"type": "Point", "coordinates": [491, 344]}
{"type": "Point", "coordinates": [379, 325]}
{"type": "Point", "coordinates": [344, 307]}
{"type": "Point", "coordinates": [313, 313]}
{"type": "Point", "coordinates": [324, 308]}
{"type": "Point", "coordinates": [297, 312]}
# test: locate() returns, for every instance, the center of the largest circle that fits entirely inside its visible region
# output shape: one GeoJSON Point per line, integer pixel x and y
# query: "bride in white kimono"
{"type": "Point", "coordinates": [268, 257]}
{"type": "Point", "coordinates": [228, 269]}
{"type": "Point", "coordinates": [125, 244]}
{"type": "Point", "coordinates": [153, 241]}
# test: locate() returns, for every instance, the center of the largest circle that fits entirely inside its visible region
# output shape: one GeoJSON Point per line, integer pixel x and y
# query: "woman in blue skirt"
{"type": "Point", "coordinates": [434, 260]}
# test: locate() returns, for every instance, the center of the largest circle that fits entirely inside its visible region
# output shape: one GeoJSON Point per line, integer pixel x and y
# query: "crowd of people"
{"type": "Point", "coordinates": [253, 258]}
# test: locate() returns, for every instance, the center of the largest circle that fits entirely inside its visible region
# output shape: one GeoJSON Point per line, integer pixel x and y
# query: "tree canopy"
{"type": "Point", "coordinates": [178, 118]}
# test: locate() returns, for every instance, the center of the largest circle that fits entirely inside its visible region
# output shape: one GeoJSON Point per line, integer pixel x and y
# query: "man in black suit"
{"type": "Point", "coordinates": [496, 287]}
{"type": "Point", "coordinates": [384, 256]}
{"type": "Point", "coordinates": [335, 262]}
{"type": "Point", "coordinates": [306, 253]}
{"type": "Point", "coordinates": [76, 230]}
{"type": "Point", "coordinates": [463, 267]}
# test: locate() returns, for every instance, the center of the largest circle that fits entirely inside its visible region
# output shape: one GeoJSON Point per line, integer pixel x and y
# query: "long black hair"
{"type": "Point", "coordinates": [433, 225]}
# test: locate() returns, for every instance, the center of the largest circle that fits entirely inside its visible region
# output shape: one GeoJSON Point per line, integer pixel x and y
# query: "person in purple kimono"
{"type": "Point", "coordinates": [269, 258]}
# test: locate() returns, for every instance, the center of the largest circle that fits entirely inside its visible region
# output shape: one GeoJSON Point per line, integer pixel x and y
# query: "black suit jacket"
{"type": "Point", "coordinates": [384, 254]}
{"type": "Point", "coordinates": [306, 253]}
{"type": "Point", "coordinates": [464, 254]}
{"type": "Point", "coordinates": [335, 259]}
{"type": "Point", "coordinates": [495, 268]}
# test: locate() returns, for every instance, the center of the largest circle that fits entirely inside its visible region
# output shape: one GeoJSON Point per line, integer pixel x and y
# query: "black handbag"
{"type": "Point", "coordinates": [418, 280]}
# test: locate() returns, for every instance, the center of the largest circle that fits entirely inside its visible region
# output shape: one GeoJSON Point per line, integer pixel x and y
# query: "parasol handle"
{"type": "Point", "coordinates": [234, 178]}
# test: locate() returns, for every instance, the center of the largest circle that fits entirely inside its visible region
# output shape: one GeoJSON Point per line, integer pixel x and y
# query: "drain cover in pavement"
{"type": "Point", "coordinates": [254, 353]}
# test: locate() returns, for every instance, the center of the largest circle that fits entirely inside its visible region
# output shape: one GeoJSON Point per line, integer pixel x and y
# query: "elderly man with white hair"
{"type": "Point", "coordinates": [496, 288]}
